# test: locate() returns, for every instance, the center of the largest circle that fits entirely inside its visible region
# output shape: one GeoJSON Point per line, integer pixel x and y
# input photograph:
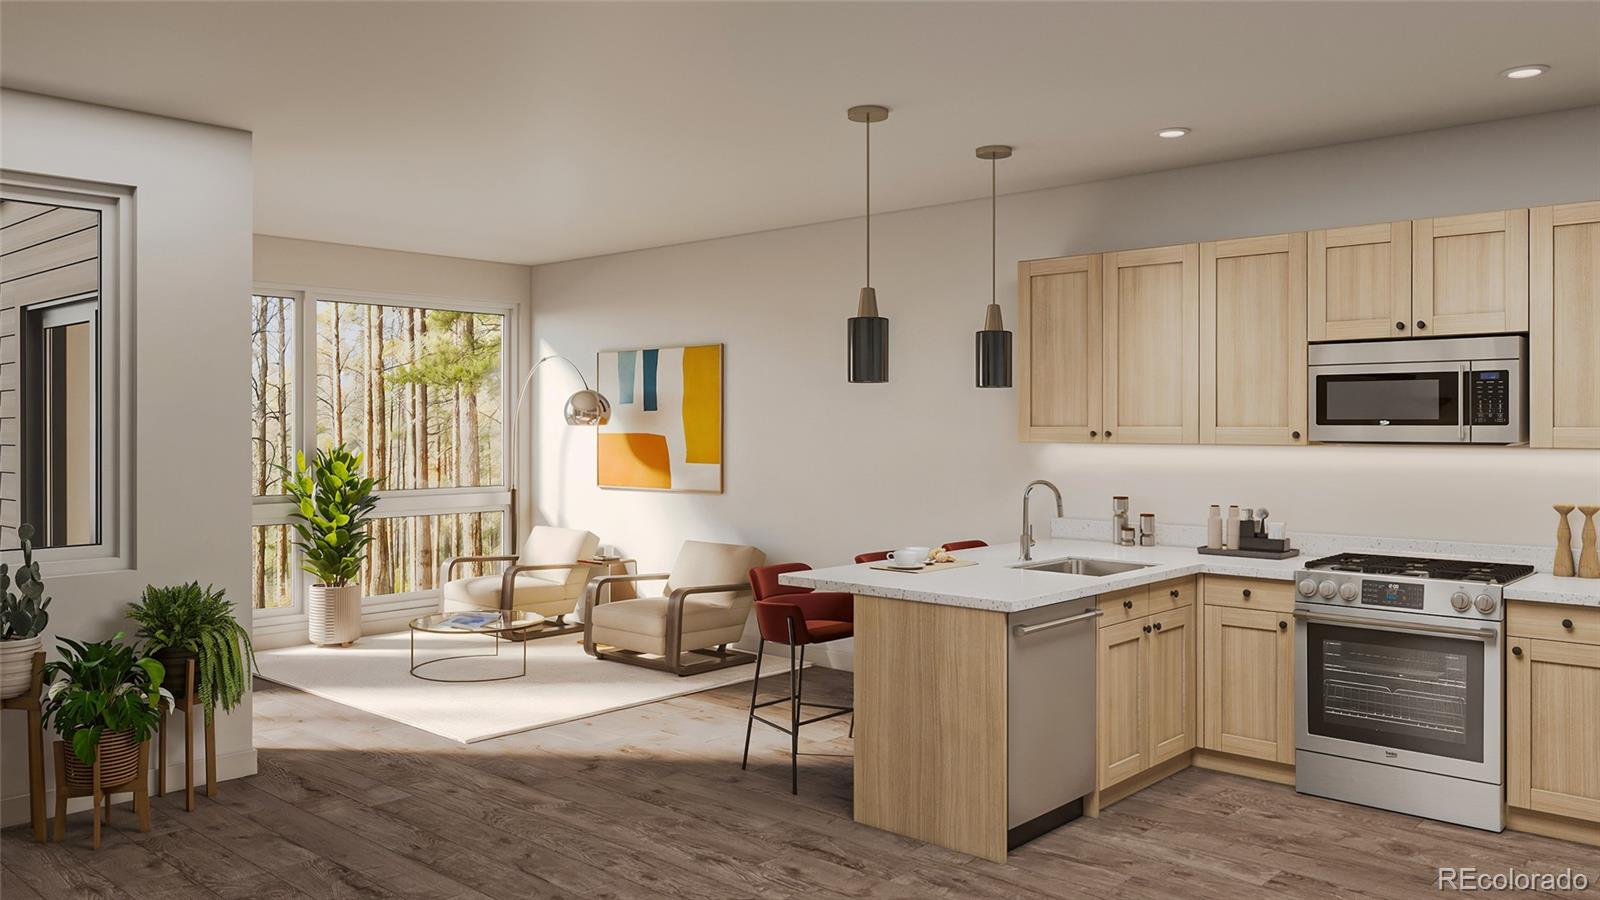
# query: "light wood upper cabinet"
{"type": "Point", "coordinates": [1152, 345]}
{"type": "Point", "coordinates": [1552, 719]}
{"type": "Point", "coordinates": [1564, 326]}
{"type": "Point", "coordinates": [1171, 692]}
{"type": "Point", "coordinates": [1059, 349]}
{"type": "Point", "coordinates": [1121, 702]}
{"type": "Point", "coordinates": [1359, 282]}
{"type": "Point", "coordinates": [1253, 340]}
{"type": "Point", "coordinates": [1469, 274]}
{"type": "Point", "coordinates": [1248, 683]}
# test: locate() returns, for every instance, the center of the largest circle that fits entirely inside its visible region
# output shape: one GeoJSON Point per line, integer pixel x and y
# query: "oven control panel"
{"type": "Point", "coordinates": [1491, 403]}
{"type": "Point", "coordinates": [1391, 594]}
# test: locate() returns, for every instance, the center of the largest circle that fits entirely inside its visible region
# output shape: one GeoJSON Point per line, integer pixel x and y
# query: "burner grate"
{"type": "Point", "coordinates": [1423, 567]}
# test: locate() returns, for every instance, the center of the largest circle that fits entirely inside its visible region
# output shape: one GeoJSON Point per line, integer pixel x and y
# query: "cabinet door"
{"type": "Point", "coordinates": [1249, 683]}
{"type": "Point", "coordinates": [1171, 687]}
{"type": "Point", "coordinates": [1469, 274]}
{"type": "Point", "coordinates": [1152, 345]}
{"type": "Point", "coordinates": [1553, 727]}
{"type": "Point", "coordinates": [1564, 326]}
{"type": "Point", "coordinates": [1253, 340]}
{"type": "Point", "coordinates": [1121, 710]}
{"type": "Point", "coordinates": [1359, 282]}
{"type": "Point", "coordinates": [1059, 348]}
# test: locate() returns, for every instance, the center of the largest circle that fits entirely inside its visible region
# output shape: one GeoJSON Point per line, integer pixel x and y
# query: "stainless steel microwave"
{"type": "Point", "coordinates": [1470, 390]}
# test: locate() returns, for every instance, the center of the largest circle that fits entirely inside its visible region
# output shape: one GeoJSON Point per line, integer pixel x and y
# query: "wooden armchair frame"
{"type": "Point", "coordinates": [508, 587]}
{"type": "Point", "coordinates": [720, 658]}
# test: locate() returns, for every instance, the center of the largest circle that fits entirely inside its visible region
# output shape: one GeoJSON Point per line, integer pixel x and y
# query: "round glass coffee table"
{"type": "Point", "coordinates": [497, 625]}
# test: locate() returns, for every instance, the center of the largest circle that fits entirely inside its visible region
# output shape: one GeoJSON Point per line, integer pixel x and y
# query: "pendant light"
{"type": "Point", "coordinates": [868, 331]}
{"type": "Point", "coordinates": [994, 341]}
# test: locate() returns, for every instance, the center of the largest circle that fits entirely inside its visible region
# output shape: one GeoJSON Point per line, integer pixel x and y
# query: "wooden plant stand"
{"type": "Point", "coordinates": [29, 703]}
{"type": "Point", "coordinates": [100, 794]}
{"type": "Point", "coordinates": [186, 705]}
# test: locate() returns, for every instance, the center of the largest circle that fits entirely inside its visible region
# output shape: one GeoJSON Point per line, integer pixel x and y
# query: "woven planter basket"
{"type": "Point", "coordinates": [119, 761]}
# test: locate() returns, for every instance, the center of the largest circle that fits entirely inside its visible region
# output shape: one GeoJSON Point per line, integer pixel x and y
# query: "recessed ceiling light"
{"type": "Point", "coordinates": [1520, 72]}
{"type": "Point", "coordinates": [1172, 132]}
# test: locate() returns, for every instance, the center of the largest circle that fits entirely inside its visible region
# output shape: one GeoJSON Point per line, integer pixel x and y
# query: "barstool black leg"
{"type": "Point", "coordinates": [794, 716]}
{"type": "Point", "coordinates": [755, 689]}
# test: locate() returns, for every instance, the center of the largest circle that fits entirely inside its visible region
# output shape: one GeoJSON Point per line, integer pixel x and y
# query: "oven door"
{"type": "Point", "coordinates": [1400, 690]}
{"type": "Point", "coordinates": [1422, 402]}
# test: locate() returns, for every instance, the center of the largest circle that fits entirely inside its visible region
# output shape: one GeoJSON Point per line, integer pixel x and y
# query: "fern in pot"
{"type": "Point", "coordinates": [333, 502]}
{"type": "Point", "coordinates": [23, 616]}
{"type": "Point", "coordinates": [187, 622]}
{"type": "Point", "coordinates": [105, 700]}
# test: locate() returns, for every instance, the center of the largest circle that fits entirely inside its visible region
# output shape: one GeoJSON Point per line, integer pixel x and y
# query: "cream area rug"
{"type": "Point", "coordinates": [562, 683]}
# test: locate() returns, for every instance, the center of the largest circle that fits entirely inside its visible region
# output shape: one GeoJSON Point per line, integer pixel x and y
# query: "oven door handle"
{"type": "Point", "coordinates": [1482, 634]}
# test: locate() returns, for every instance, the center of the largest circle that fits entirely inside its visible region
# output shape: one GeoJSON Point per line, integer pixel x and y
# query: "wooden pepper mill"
{"type": "Point", "coordinates": [1589, 559]}
{"type": "Point", "coordinates": [1563, 563]}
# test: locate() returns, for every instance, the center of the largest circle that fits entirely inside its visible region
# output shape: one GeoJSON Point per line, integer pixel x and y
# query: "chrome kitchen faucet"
{"type": "Point", "coordinates": [1027, 529]}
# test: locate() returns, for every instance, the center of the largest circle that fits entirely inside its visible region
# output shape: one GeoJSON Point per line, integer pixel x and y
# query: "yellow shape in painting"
{"type": "Point", "coordinates": [702, 404]}
{"type": "Point", "coordinates": [634, 460]}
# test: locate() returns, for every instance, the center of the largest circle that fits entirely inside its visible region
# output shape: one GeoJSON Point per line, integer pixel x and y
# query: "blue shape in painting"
{"type": "Point", "coordinates": [625, 362]}
{"type": "Point", "coordinates": [650, 359]}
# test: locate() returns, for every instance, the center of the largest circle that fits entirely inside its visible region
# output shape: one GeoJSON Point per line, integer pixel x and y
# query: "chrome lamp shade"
{"type": "Point", "coordinates": [587, 407]}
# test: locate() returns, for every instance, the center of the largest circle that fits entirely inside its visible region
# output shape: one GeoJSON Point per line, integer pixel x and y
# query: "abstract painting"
{"type": "Point", "coordinates": [665, 432]}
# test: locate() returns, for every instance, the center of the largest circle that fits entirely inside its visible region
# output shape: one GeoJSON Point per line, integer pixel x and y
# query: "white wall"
{"type": "Point", "coordinates": [818, 469]}
{"type": "Point", "coordinates": [365, 269]}
{"type": "Point", "coordinates": [191, 321]}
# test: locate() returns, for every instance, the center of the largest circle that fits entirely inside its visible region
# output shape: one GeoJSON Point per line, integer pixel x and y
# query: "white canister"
{"type": "Point", "coordinates": [1214, 528]}
{"type": "Point", "coordinates": [1230, 528]}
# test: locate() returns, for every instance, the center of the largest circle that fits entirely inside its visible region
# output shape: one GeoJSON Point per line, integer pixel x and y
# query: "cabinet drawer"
{"type": "Point", "coordinates": [1171, 595]}
{"type": "Point", "coordinates": [1547, 621]}
{"type": "Point", "coordinates": [1123, 606]}
{"type": "Point", "coordinates": [1249, 593]}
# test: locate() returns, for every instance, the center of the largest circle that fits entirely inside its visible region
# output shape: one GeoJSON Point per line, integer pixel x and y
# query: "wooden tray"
{"type": "Point", "coordinates": [926, 567]}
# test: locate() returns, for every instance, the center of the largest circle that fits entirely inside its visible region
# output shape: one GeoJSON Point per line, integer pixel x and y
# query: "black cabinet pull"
{"type": "Point", "coordinates": [1147, 629]}
{"type": "Point", "coordinates": [1173, 592]}
{"type": "Point", "coordinates": [1108, 432]}
{"type": "Point", "coordinates": [1094, 434]}
{"type": "Point", "coordinates": [1421, 325]}
{"type": "Point", "coordinates": [1127, 604]}
{"type": "Point", "coordinates": [1295, 435]}
{"type": "Point", "coordinates": [1157, 626]}
{"type": "Point", "coordinates": [1247, 593]}
{"type": "Point", "coordinates": [1516, 651]}
{"type": "Point", "coordinates": [1567, 624]}
{"type": "Point", "coordinates": [1399, 326]}
{"type": "Point", "coordinates": [1282, 625]}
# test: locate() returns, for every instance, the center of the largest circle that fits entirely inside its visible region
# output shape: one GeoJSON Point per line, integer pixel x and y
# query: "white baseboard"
{"type": "Point", "coordinates": [239, 764]}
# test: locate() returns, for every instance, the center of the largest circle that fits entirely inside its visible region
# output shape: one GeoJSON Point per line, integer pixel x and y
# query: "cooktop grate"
{"type": "Point", "coordinates": [1423, 567]}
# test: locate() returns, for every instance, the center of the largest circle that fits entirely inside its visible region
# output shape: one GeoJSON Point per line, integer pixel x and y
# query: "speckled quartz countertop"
{"type": "Point", "coordinates": [997, 583]}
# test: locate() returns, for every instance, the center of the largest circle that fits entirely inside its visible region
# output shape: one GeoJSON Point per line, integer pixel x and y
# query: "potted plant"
{"type": "Point", "coordinates": [333, 502]}
{"type": "Point", "coordinates": [23, 616]}
{"type": "Point", "coordinates": [104, 699]}
{"type": "Point", "coordinates": [190, 622]}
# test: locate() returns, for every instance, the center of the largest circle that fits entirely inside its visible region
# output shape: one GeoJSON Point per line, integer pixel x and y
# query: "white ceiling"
{"type": "Point", "coordinates": [543, 131]}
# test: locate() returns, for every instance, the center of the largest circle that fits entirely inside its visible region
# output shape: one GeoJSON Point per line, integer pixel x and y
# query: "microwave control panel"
{"type": "Point", "coordinates": [1491, 402]}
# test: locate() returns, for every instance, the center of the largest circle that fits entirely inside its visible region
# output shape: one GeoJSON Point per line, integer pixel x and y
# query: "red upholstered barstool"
{"type": "Point", "coordinates": [795, 616]}
{"type": "Point", "coordinates": [953, 546]}
{"type": "Point", "coordinates": [874, 556]}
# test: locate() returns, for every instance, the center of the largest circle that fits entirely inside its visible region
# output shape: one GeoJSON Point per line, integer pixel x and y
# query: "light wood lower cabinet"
{"type": "Point", "coordinates": [1553, 711]}
{"type": "Point", "coordinates": [1145, 705]}
{"type": "Point", "coordinates": [1247, 682]}
{"type": "Point", "coordinates": [1564, 326]}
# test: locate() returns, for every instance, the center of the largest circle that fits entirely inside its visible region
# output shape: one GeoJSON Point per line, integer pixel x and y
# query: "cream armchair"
{"type": "Point", "coordinates": [545, 578]}
{"type": "Point", "coordinates": [703, 608]}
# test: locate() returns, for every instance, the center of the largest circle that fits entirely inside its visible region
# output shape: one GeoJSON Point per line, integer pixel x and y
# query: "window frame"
{"type": "Point", "coordinates": [276, 509]}
{"type": "Point", "coordinates": [115, 425]}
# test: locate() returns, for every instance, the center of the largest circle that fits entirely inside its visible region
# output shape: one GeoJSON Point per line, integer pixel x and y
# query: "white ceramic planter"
{"type": "Point", "coordinates": [333, 614]}
{"type": "Point", "coordinates": [16, 665]}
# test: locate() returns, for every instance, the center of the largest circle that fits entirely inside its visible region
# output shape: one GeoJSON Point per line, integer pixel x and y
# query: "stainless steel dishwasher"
{"type": "Point", "coordinates": [1050, 716]}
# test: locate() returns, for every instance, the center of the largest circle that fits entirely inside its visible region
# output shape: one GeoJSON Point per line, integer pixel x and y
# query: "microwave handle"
{"type": "Point", "coordinates": [1465, 402]}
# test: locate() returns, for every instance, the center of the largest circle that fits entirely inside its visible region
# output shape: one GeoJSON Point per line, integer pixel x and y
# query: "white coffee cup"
{"type": "Point", "coordinates": [908, 556]}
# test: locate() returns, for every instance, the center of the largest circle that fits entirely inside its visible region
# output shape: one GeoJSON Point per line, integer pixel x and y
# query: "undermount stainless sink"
{"type": "Point", "coordinates": [1077, 565]}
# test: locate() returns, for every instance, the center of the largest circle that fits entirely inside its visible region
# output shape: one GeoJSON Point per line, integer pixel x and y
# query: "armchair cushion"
{"type": "Point", "coordinates": [547, 544]}
{"type": "Point", "coordinates": [531, 594]}
{"type": "Point", "coordinates": [640, 625]}
{"type": "Point", "coordinates": [703, 562]}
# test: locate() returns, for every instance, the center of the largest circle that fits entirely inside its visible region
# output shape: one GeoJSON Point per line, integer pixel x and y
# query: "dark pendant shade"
{"type": "Point", "coordinates": [994, 359]}
{"type": "Point", "coordinates": [869, 349]}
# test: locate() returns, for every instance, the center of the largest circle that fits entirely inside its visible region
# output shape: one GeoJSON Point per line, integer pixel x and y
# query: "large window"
{"type": "Point", "coordinates": [416, 389]}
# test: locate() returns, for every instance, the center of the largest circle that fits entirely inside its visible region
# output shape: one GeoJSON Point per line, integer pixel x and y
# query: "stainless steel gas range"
{"type": "Point", "coordinates": [1398, 680]}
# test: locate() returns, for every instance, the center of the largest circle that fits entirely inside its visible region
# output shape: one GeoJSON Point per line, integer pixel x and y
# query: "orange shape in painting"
{"type": "Point", "coordinates": [635, 460]}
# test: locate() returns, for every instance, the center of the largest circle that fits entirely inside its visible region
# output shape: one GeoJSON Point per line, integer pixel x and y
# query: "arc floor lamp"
{"type": "Point", "coordinates": [584, 407]}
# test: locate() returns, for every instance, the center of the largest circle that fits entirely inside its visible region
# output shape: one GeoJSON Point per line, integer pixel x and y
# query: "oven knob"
{"type": "Point", "coordinates": [1307, 587]}
{"type": "Point", "coordinates": [1348, 591]}
{"type": "Point", "coordinates": [1327, 589]}
{"type": "Point", "coordinates": [1485, 603]}
{"type": "Point", "coordinates": [1460, 601]}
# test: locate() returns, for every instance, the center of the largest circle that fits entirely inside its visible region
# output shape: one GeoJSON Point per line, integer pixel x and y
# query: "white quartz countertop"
{"type": "Point", "coordinates": [1546, 588]}
{"type": "Point", "coordinates": [996, 583]}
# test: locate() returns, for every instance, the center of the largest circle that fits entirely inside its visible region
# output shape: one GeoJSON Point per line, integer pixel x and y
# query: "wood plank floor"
{"type": "Point", "coordinates": [650, 802]}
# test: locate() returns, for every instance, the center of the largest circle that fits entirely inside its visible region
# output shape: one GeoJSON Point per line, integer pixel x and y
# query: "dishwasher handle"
{"type": "Point", "coordinates": [1057, 623]}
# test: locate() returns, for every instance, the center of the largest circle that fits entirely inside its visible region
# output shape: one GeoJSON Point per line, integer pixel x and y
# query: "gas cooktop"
{"type": "Point", "coordinates": [1422, 567]}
